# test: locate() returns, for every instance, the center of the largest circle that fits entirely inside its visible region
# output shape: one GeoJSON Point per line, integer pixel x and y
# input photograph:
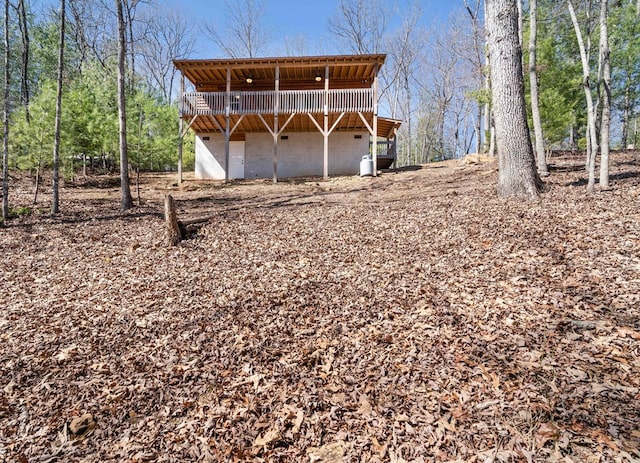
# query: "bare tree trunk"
{"type": "Point", "coordinates": [37, 188]}
{"type": "Point", "coordinates": [24, 32]}
{"type": "Point", "coordinates": [139, 154]}
{"type": "Point", "coordinates": [129, 7]}
{"type": "Point", "coordinates": [489, 132]}
{"type": "Point", "coordinates": [478, 58]}
{"type": "Point", "coordinates": [5, 120]}
{"type": "Point", "coordinates": [520, 26]}
{"type": "Point", "coordinates": [55, 200]}
{"type": "Point", "coordinates": [625, 115]}
{"type": "Point", "coordinates": [517, 171]}
{"type": "Point", "coordinates": [591, 117]}
{"type": "Point", "coordinates": [541, 158]}
{"type": "Point", "coordinates": [492, 139]}
{"type": "Point", "coordinates": [126, 201]}
{"type": "Point", "coordinates": [605, 124]}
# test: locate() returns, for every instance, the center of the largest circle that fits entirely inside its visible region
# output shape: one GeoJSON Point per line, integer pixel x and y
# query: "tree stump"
{"type": "Point", "coordinates": [174, 235]}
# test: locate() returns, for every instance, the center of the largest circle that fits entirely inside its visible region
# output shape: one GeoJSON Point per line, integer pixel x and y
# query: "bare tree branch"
{"type": "Point", "coordinates": [244, 33]}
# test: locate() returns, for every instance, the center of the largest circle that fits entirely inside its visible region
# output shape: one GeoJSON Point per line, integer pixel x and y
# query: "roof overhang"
{"type": "Point", "coordinates": [295, 72]}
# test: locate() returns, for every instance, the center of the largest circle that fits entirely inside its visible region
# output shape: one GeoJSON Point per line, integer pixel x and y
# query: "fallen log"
{"type": "Point", "coordinates": [197, 220]}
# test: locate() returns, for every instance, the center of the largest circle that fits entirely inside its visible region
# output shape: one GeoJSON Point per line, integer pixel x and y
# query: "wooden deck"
{"type": "Point", "coordinates": [282, 102]}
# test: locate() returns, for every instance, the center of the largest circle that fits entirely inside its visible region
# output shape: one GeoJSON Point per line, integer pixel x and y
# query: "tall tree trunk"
{"type": "Point", "coordinates": [489, 132]}
{"type": "Point", "coordinates": [129, 8]}
{"type": "Point", "coordinates": [478, 56]}
{"type": "Point", "coordinates": [126, 201]}
{"type": "Point", "coordinates": [625, 114]}
{"type": "Point", "coordinates": [55, 200]}
{"type": "Point", "coordinates": [591, 116]}
{"type": "Point", "coordinates": [24, 84]}
{"type": "Point", "coordinates": [517, 171]}
{"type": "Point", "coordinates": [606, 95]}
{"type": "Point", "coordinates": [541, 157]}
{"type": "Point", "coordinates": [520, 27]}
{"type": "Point", "coordinates": [5, 119]}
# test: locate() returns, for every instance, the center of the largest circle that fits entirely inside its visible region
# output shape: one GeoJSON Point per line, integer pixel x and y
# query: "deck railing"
{"type": "Point", "coordinates": [289, 102]}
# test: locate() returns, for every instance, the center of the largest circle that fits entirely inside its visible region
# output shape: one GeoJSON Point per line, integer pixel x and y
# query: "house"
{"type": "Point", "coordinates": [284, 117]}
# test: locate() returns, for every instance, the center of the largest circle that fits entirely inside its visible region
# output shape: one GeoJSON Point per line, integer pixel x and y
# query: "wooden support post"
{"type": "Point", "coordinates": [276, 110]}
{"type": "Point", "coordinates": [174, 235]}
{"type": "Point", "coordinates": [375, 123]}
{"type": "Point", "coordinates": [325, 169]}
{"type": "Point", "coordinates": [181, 129]}
{"type": "Point", "coordinates": [227, 133]}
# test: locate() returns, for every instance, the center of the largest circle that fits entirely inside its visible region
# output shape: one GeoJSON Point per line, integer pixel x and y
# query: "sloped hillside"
{"type": "Point", "coordinates": [411, 317]}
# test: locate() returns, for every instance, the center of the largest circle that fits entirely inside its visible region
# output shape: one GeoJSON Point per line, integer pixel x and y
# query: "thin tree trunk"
{"type": "Point", "coordinates": [533, 80]}
{"type": "Point", "coordinates": [24, 32]}
{"type": "Point", "coordinates": [520, 27]}
{"type": "Point", "coordinates": [55, 201]}
{"type": "Point", "coordinates": [625, 116]}
{"type": "Point", "coordinates": [40, 158]}
{"type": "Point", "coordinates": [139, 156]}
{"type": "Point", "coordinates": [489, 139]}
{"type": "Point", "coordinates": [132, 56]}
{"type": "Point", "coordinates": [126, 201]}
{"type": "Point", "coordinates": [478, 52]}
{"type": "Point", "coordinates": [492, 140]}
{"type": "Point", "coordinates": [5, 119]}
{"type": "Point", "coordinates": [517, 171]}
{"type": "Point", "coordinates": [408, 110]}
{"type": "Point", "coordinates": [606, 95]}
{"type": "Point", "coordinates": [591, 117]}
{"type": "Point", "coordinates": [37, 188]}
{"type": "Point", "coordinates": [478, 129]}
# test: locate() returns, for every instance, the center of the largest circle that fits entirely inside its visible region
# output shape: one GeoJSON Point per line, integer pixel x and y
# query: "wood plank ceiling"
{"type": "Point", "coordinates": [296, 73]}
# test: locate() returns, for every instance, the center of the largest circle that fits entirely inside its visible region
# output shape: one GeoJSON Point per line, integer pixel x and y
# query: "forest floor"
{"type": "Point", "coordinates": [412, 317]}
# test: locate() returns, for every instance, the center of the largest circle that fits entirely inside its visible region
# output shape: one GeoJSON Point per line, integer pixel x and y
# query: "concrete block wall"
{"type": "Point", "coordinates": [299, 155]}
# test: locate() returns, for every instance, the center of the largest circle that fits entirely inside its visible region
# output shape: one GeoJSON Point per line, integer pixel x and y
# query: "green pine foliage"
{"type": "Point", "coordinates": [559, 72]}
{"type": "Point", "coordinates": [562, 105]}
{"type": "Point", "coordinates": [89, 129]}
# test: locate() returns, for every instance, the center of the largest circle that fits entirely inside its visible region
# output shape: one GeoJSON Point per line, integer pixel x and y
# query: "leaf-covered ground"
{"type": "Point", "coordinates": [411, 317]}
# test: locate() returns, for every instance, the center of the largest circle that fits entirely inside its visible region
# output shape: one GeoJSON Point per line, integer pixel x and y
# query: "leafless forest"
{"type": "Point", "coordinates": [410, 317]}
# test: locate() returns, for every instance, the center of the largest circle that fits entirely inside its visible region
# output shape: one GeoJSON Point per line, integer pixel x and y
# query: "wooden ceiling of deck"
{"type": "Point", "coordinates": [299, 123]}
{"type": "Point", "coordinates": [296, 73]}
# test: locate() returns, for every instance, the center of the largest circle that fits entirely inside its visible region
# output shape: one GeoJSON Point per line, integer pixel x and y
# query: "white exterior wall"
{"type": "Point", "coordinates": [210, 156]}
{"type": "Point", "coordinates": [298, 156]}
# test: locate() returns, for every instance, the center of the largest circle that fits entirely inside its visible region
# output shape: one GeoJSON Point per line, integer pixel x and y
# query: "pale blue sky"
{"type": "Point", "coordinates": [290, 20]}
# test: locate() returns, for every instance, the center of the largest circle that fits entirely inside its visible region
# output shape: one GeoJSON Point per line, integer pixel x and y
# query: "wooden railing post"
{"type": "Point", "coordinates": [289, 102]}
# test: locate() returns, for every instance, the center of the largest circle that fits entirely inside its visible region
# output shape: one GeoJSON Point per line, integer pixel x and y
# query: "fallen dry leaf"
{"type": "Point", "coordinates": [413, 316]}
{"type": "Point", "coordinates": [267, 438]}
{"type": "Point", "coordinates": [546, 432]}
{"type": "Point", "coordinates": [330, 453]}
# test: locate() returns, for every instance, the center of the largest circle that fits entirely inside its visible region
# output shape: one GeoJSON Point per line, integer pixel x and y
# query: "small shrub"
{"type": "Point", "coordinates": [20, 211]}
